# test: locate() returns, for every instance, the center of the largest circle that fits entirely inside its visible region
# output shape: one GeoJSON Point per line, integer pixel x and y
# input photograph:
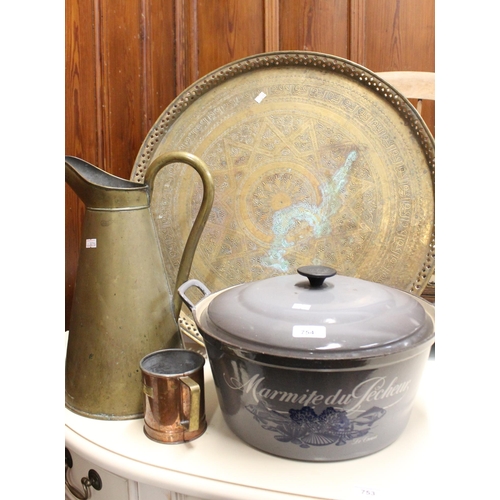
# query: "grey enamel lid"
{"type": "Point", "coordinates": [317, 314]}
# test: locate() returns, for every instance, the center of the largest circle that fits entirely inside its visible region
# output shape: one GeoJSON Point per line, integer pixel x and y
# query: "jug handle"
{"type": "Point", "coordinates": [201, 218]}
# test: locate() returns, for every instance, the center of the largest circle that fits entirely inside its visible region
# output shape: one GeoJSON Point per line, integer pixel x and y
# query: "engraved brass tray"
{"type": "Point", "coordinates": [315, 160]}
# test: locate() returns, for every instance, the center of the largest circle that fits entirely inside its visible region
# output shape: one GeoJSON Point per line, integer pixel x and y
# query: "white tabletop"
{"type": "Point", "coordinates": [220, 466]}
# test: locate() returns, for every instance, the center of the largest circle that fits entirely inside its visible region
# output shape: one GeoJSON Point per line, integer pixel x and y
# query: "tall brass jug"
{"type": "Point", "coordinates": [122, 307]}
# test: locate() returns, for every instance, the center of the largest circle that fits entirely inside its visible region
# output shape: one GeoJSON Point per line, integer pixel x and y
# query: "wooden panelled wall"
{"type": "Point", "coordinates": [126, 60]}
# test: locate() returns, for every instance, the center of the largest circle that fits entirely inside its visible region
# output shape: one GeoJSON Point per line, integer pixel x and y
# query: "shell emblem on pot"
{"type": "Point", "coordinates": [305, 428]}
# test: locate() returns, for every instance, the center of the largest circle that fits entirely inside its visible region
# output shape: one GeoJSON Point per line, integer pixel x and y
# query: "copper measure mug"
{"type": "Point", "coordinates": [174, 395]}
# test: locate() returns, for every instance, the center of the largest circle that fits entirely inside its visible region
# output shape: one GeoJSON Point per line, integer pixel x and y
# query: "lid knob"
{"type": "Point", "coordinates": [316, 274]}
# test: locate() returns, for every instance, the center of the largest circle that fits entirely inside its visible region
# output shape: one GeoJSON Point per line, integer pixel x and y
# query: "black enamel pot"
{"type": "Point", "coordinates": [315, 366]}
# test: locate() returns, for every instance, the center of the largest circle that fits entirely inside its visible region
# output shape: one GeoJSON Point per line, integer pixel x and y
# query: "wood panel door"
{"type": "Point", "coordinates": [126, 60]}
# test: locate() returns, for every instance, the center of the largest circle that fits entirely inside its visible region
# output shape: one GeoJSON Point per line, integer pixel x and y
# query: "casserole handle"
{"type": "Point", "coordinates": [188, 284]}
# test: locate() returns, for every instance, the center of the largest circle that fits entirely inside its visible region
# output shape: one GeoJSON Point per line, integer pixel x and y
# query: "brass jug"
{"type": "Point", "coordinates": [122, 306]}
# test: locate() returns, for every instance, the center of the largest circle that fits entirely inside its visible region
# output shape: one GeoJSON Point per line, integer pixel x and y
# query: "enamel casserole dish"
{"type": "Point", "coordinates": [314, 366]}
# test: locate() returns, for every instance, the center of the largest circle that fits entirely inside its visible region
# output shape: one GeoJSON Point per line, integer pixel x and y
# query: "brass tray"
{"type": "Point", "coordinates": [315, 160]}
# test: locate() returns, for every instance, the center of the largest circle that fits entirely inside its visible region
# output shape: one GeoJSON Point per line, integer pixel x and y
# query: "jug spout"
{"type": "Point", "coordinates": [100, 190]}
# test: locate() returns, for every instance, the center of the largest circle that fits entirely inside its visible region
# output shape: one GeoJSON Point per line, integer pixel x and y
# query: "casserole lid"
{"type": "Point", "coordinates": [318, 314]}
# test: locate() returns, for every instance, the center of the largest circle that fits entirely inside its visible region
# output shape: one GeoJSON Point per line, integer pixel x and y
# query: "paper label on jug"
{"type": "Point", "coordinates": [309, 331]}
{"type": "Point", "coordinates": [91, 243]}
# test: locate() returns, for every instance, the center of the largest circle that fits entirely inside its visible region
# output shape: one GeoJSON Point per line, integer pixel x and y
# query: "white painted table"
{"type": "Point", "coordinates": [220, 466]}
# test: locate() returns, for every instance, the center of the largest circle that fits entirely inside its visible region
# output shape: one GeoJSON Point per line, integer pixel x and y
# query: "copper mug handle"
{"type": "Point", "coordinates": [194, 395]}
